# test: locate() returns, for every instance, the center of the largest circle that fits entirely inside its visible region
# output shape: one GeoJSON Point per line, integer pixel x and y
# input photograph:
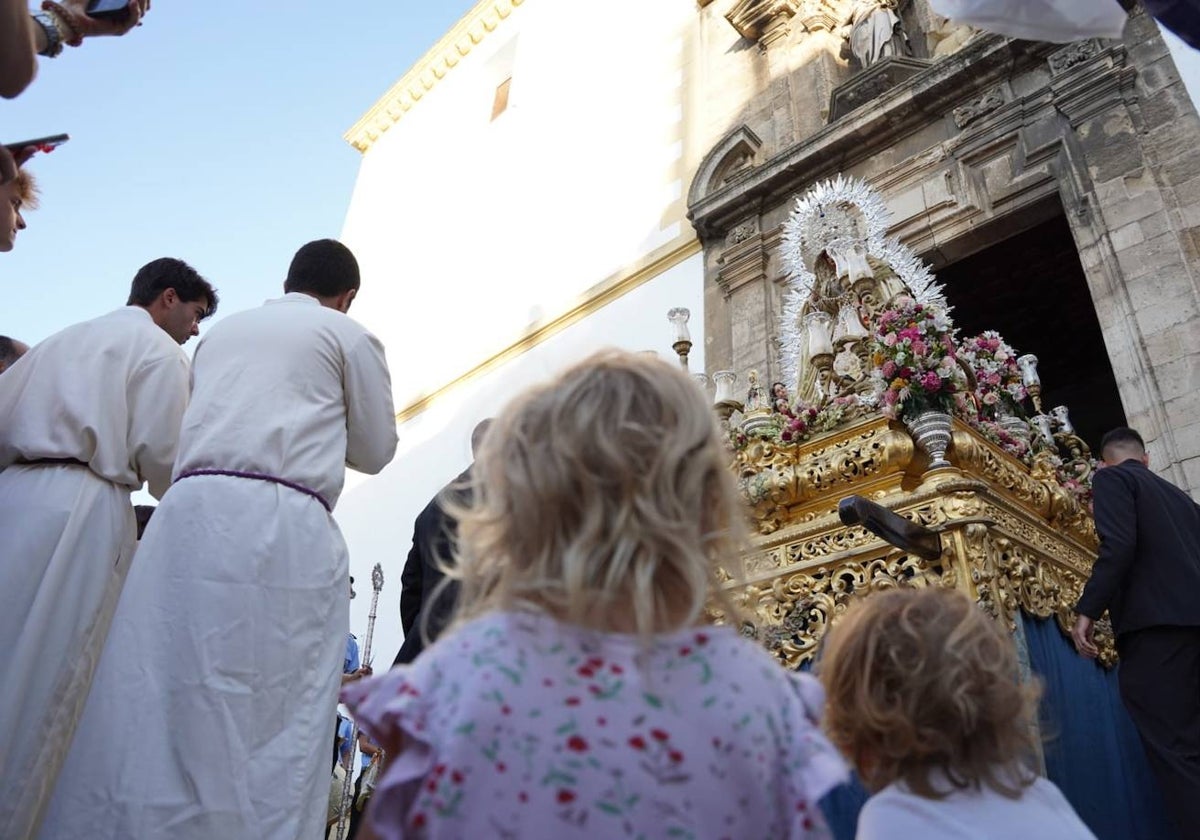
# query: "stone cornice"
{"type": "Point", "coordinates": [455, 45]}
{"type": "Point", "coordinates": [838, 146]}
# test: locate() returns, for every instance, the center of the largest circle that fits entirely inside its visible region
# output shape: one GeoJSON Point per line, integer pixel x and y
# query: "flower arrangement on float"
{"type": "Point", "coordinates": [794, 423]}
{"type": "Point", "coordinates": [803, 421]}
{"type": "Point", "coordinates": [999, 390]}
{"type": "Point", "coordinates": [914, 361]}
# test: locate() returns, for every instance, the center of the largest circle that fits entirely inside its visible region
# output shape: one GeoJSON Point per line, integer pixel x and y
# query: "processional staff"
{"type": "Point", "coordinates": [347, 785]}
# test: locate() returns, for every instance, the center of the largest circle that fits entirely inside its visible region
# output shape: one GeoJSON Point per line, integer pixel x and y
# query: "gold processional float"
{"type": "Point", "coordinates": [883, 407]}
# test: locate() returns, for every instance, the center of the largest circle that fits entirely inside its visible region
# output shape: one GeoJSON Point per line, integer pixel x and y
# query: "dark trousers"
{"type": "Point", "coordinates": [356, 816]}
{"type": "Point", "coordinates": [1160, 686]}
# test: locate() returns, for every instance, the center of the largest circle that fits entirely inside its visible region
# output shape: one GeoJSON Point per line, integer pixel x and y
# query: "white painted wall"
{"type": "Point", "coordinates": [468, 230]}
{"type": "Point", "coordinates": [376, 515]}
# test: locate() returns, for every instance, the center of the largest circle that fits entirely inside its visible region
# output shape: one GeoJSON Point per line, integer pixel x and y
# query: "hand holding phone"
{"type": "Point", "coordinates": [25, 149]}
{"type": "Point", "coordinates": [91, 18]}
{"type": "Point", "coordinates": [115, 10]}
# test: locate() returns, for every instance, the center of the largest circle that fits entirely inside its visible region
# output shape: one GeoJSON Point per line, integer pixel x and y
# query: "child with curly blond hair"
{"type": "Point", "coordinates": [924, 698]}
{"type": "Point", "coordinates": [581, 692]}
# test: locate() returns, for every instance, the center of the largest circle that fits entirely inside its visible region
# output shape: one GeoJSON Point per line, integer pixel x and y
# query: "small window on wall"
{"type": "Point", "coordinates": [500, 101]}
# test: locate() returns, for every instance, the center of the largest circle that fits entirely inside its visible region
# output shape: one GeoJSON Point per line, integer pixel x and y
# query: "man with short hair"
{"type": "Point", "coordinates": [88, 416]}
{"type": "Point", "coordinates": [426, 603]}
{"type": "Point", "coordinates": [10, 351]}
{"type": "Point", "coordinates": [1147, 576]}
{"type": "Point", "coordinates": [210, 712]}
{"type": "Point", "coordinates": [16, 195]}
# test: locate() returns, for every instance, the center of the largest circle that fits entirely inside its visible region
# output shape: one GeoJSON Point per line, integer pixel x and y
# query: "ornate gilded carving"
{"type": "Point", "coordinates": [793, 613]}
{"type": "Point", "coordinates": [1013, 538]}
{"type": "Point", "coordinates": [777, 479]}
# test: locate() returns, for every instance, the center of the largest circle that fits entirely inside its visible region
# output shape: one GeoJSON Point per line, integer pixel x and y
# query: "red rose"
{"type": "Point", "coordinates": [616, 669]}
{"type": "Point", "coordinates": [701, 639]}
{"type": "Point", "coordinates": [456, 777]}
{"type": "Point", "coordinates": [676, 756]}
{"type": "Point", "coordinates": [418, 820]}
{"type": "Point", "coordinates": [431, 786]}
{"type": "Point", "coordinates": [685, 651]}
{"type": "Point", "coordinates": [501, 766]}
{"type": "Point", "coordinates": [659, 735]}
{"type": "Point", "coordinates": [586, 671]}
{"type": "Point", "coordinates": [576, 743]}
{"type": "Point", "coordinates": [565, 796]}
{"type": "Point", "coordinates": [637, 742]}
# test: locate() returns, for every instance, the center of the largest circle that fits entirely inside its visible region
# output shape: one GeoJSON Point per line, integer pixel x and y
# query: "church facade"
{"type": "Point", "coordinates": [1055, 190]}
{"type": "Point", "coordinates": [553, 176]}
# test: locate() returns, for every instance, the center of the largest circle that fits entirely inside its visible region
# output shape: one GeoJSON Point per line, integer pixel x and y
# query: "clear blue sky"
{"type": "Point", "coordinates": [213, 133]}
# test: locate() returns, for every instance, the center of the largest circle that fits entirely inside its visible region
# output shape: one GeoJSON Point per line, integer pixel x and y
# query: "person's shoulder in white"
{"type": "Point", "coordinates": [1040, 813]}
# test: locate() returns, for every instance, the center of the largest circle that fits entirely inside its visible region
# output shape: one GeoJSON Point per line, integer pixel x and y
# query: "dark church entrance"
{"type": "Point", "coordinates": [1031, 289]}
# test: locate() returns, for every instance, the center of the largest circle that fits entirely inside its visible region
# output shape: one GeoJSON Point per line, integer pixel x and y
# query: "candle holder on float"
{"type": "Point", "coordinates": [682, 339]}
{"type": "Point", "coordinates": [1031, 380]}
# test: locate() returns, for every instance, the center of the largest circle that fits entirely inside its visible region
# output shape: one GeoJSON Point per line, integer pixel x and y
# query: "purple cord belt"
{"type": "Point", "coordinates": [291, 485]}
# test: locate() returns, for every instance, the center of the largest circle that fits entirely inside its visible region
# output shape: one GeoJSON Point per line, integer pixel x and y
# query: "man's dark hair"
{"type": "Point", "coordinates": [325, 268]}
{"type": "Point", "coordinates": [157, 276]}
{"type": "Point", "coordinates": [1122, 438]}
{"type": "Point", "coordinates": [8, 351]}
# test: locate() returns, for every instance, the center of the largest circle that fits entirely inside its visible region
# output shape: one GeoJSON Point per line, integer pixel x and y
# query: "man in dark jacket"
{"type": "Point", "coordinates": [433, 542]}
{"type": "Point", "coordinates": [1148, 578]}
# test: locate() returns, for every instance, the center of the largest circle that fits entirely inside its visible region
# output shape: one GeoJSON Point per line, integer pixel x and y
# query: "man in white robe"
{"type": "Point", "coordinates": [85, 418]}
{"type": "Point", "coordinates": [210, 713]}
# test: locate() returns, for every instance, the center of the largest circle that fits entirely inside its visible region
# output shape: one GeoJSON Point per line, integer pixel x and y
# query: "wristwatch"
{"type": "Point", "coordinates": [54, 40]}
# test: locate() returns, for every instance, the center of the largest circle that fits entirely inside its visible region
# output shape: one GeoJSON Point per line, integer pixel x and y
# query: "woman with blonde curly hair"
{"type": "Point", "coordinates": [924, 698]}
{"type": "Point", "coordinates": [581, 691]}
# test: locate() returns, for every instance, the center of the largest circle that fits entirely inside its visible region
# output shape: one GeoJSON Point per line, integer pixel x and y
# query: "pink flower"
{"type": "Point", "coordinates": [890, 339]}
{"type": "Point", "coordinates": [919, 347]}
{"type": "Point", "coordinates": [931, 381]}
{"type": "Point", "coordinates": [889, 369]}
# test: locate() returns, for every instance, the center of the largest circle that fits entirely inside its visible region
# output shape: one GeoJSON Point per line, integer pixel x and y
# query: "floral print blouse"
{"type": "Point", "coordinates": [519, 726]}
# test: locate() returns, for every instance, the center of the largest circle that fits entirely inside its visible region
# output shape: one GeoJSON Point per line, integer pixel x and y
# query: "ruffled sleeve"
{"type": "Point", "coordinates": [813, 765]}
{"type": "Point", "coordinates": [394, 710]}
